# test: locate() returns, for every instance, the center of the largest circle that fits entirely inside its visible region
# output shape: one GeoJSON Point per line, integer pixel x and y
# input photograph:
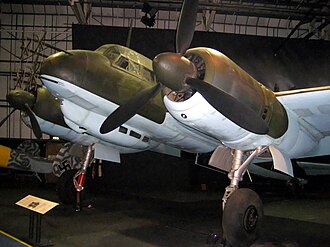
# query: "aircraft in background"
{"type": "Point", "coordinates": [26, 157]}
{"type": "Point", "coordinates": [114, 100]}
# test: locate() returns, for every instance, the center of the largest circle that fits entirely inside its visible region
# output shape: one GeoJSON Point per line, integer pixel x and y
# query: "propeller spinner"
{"type": "Point", "coordinates": [172, 70]}
{"type": "Point", "coordinates": [23, 100]}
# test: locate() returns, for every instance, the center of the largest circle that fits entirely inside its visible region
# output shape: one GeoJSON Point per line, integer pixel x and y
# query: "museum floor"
{"type": "Point", "coordinates": [161, 219]}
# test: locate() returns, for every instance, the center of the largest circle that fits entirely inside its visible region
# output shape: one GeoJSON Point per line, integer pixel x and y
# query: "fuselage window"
{"type": "Point", "coordinates": [134, 134]}
{"type": "Point", "coordinates": [145, 139]}
{"type": "Point", "coordinates": [123, 129]}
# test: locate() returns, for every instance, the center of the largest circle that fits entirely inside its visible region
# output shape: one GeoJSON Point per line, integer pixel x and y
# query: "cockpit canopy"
{"type": "Point", "coordinates": [128, 60]}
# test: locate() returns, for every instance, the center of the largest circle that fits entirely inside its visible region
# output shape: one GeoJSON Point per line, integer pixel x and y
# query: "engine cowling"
{"type": "Point", "coordinates": [215, 68]}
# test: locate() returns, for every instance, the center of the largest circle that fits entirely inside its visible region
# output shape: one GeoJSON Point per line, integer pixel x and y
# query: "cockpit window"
{"type": "Point", "coordinates": [111, 52]}
{"type": "Point", "coordinates": [135, 68]}
{"type": "Point", "coordinates": [128, 65]}
{"type": "Point", "coordinates": [122, 62]}
{"type": "Point", "coordinates": [115, 56]}
{"type": "Point", "coordinates": [102, 49]}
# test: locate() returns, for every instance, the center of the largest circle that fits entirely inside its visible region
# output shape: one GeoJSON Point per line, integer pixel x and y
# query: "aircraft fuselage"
{"type": "Point", "coordinates": [91, 85]}
{"type": "Point", "coordinates": [87, 100]}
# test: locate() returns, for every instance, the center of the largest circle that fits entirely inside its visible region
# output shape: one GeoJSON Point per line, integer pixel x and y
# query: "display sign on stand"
{"type": "Point", "coordinates": [37, 207]}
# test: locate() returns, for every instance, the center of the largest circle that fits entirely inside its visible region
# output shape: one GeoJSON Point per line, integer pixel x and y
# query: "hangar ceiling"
{"type": "Point", "coordinates": [293, 9]}
{"type": "Point", "coordinates": [292, 18]}
{"type": "Point", "coordinates": [23, 23]}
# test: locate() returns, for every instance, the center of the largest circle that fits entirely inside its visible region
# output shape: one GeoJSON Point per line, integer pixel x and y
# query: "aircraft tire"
{"type": "Point", "coordinates": [65, 189]}
{"type": "Point", "coordinates": [242, 218]}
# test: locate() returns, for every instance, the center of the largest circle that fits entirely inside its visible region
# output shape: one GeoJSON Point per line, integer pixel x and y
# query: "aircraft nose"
{"type": "Point", "coordinates": [69, 66]}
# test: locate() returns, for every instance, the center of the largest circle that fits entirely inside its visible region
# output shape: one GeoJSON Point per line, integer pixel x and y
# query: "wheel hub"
{"type": "Point", "coordinates": [250, 219]}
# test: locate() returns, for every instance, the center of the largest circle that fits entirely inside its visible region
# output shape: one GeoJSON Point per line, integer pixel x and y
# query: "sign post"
{"type": "Point", "coordinates": [37, 207]}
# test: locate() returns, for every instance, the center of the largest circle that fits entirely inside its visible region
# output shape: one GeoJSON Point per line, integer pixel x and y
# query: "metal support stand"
{"type": "Point", "coordinates": [35, 230]}
{"type": "Point", "coordinates": [37, 207]}
{"type": "Point", "coordinates": [31, 225]}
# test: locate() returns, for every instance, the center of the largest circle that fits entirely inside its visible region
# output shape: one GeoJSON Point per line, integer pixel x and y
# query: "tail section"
{"type": "Point", "coordinates": [25, 158]}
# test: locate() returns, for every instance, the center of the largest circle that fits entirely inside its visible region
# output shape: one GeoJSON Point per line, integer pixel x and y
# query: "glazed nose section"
{"type": "Point", "coordinates": [70, 67]}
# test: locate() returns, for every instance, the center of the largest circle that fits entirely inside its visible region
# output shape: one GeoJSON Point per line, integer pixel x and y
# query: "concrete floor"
{"type": "Point", "coordinates": [151, 219]}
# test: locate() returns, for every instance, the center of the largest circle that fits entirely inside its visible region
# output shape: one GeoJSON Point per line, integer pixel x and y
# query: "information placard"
{"type": "Point", "coordinates": [36, 204]}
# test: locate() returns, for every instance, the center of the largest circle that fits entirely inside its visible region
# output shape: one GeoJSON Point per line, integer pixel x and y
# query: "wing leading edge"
{"type": "Point", "coordinates": [312, 108]}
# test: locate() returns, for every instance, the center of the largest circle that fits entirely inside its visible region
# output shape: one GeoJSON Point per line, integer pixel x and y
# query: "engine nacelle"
{"type": "Point", "coordinates": [215, 68]}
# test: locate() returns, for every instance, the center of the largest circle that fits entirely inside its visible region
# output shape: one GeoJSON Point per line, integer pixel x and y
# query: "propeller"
{"type": "Point", "coordinates": [5, 119]}
{"type": "Point", "coordinates": [128, 110]}
{"type": "Point", "coordinates": [34, 123]}
{"type": "Point", "coordinates": [172, 69]}
{"type": "Point", "coordinates": [186, 26]}
{"type": "Point", "coordinates": [178, 73]}
{"type": "Point", "coordinates": [23, 100]}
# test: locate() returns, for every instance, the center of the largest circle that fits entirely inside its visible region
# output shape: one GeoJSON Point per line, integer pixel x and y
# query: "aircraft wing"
{"type": "Point", "coordinates": [314, 168]}
{"type": "Point", "coordinates": [312, 107]}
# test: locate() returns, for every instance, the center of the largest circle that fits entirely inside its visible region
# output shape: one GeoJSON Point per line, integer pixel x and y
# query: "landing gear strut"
{"type": "Point", "coordinates": [242, 208]}
{"type": "Point", "coordinates": [80, 177]}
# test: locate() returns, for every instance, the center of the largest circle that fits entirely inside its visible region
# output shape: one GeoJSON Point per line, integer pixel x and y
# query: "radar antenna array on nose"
{"type": "Point", "coordinates": [23, 96]}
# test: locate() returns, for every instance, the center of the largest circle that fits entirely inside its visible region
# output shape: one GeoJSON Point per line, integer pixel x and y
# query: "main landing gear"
{"type": "Point", "coordinates": [79, 178]}
{"type": "Point", "coordinates": [71, 183]}
{"type": "Point", "coordinates": [242, 208]}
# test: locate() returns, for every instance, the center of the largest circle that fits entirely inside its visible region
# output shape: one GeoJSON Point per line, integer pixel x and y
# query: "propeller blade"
{"type": "Point", "coordinates": [186, 25]}
{"type": "Point", "coordinates": [125, 112]}
{"type": "Point", "coordinates": [34, 123]}
{"type": "Point", "coordinates": [230, 107]}
{"type": "Point", "coordinates": [5, 119]}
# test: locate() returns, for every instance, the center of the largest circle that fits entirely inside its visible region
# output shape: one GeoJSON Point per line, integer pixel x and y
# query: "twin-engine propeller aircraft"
{"type": "Point", "coordinates": [114, 100]}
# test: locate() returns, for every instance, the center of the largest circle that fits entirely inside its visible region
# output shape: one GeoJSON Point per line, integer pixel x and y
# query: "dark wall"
{"type": "Point", "coordinates": [147, 171]}
{"type": "Point", "coordinates": [300, 63]}
{"type": "Point", "coordinates": [150, 171]}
